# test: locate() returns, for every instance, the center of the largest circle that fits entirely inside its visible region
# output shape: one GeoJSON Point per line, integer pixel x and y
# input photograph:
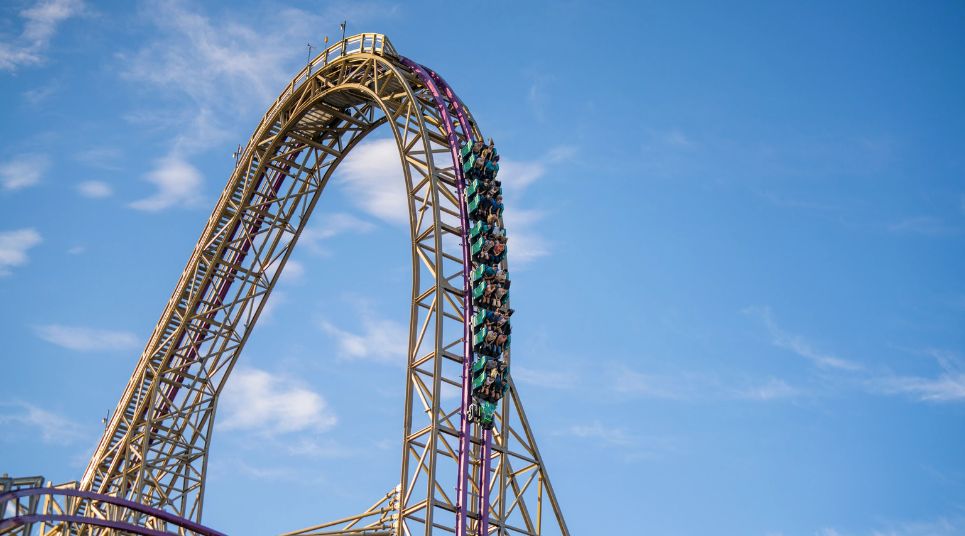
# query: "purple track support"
{"type": "Point", "coordinates": [137, 507]}
{"type": "Point", "coordinates": [462, 487]}
{"type": "Point", "coordinates": [487, 435]}
{"type": "Point", "coordinates": [460, 110]}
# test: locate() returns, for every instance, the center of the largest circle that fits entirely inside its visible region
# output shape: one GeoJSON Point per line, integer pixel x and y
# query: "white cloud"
{"type": "Point", "coordinates": [331, 225]}
{"type": "Point", "coordinates": [518, 175]}
{"type": "Point", "coordinates": [654, 386]}
{"type": "Point", "coordinates": [53, 428]}
{"type": "Point", "coordinates": [23, 171]}
{"type": "Point", "coordinates": [217, 69]}
{"type": "Point", "coordinates": [268, 404]}
{"type": "Point", "coordinates": [294, 271]}
{"type": "Point", "coordinates": [14, 246]}
{"type": "Point", "coordinates": [178, 184]}
{"type": "Point", "coordinates": [40, 24]}
{"type": "Point", "coordinates": [77, 250]}
{"type": "Point", "coordinates": [943, 526]}
{"type": "Point", "coordinates": [948, 386]}
{"type": "Point", "coordinates": [923, 225]}
{"type": "Point", "coordinates": [798, 345]}
{"type": "Point", "coordinates": [372, 177]}
{"type": "Point", "coordinates": [36, 96]}
{"type": "Point", "coordinates": [101, 157]}
{"type": "Point", "coordinates": [381, 340]}
{"type": "Point", "coordinates": [676, 137]}
{"type": "Point", "coordinates": [772, 389]}
{"type": "Point", "coordinates": [84, 339]}
{"type": "Point", "coordinates": [549, 378]}
{"type": "Point", "coordinates": [338, 223]}
{"type": "Point", "coordinates": [525, 243]}
{"type": "Point", "coordinates": [945, 388]}
{"type": "Point", "coordinates": [608, 435]}
{"type": "Point", "coordinates": [95, 189]}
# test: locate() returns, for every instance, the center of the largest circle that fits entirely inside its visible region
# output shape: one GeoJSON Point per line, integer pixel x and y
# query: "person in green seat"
{"type": "Point", "coordinates": [498, 294]}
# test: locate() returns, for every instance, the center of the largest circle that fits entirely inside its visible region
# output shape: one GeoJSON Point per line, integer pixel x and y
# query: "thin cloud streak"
{"type": "Point", "coordinates": [23, 172]}
{"type": "Point", "coordinates": [95, 189]}
{"type": "Point", "coordinates": [53, 428]}
{"type": "Point", "coordinates": [84, 339]}
{"type": "Point", "coordinates": [40, 25]}
{"type": "Point", "coordinates": [14, 246]}
{"type": "Point", "coordinates": [798, 345]}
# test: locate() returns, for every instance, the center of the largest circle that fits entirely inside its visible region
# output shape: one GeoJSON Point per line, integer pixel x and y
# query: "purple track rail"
{"type": "Point", "coordinates": [16, 521]}
{"type": "Point", "coordinates": [437, 86]}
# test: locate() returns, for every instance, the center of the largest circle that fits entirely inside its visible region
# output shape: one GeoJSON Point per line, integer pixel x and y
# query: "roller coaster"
{"type": "Point", "coordinates": [470, 464]}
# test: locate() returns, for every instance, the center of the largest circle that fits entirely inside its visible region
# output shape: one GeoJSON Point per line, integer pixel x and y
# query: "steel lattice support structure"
{"type": "Point", "coordinates": [456, 478]}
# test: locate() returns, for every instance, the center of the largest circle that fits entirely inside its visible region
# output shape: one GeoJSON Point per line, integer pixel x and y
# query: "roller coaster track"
{"type": "Point", "coordinates": [147, 474]}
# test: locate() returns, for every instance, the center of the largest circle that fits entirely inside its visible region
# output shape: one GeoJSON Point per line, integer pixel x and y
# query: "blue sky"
{"type": "Point", "coordinates": [737, 238]}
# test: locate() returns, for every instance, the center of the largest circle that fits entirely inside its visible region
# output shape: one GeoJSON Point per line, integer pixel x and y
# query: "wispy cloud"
{"type": "Point", "coordinates": [178, 184]}
{"type": "Point", "coordinates": [798, 344]}
{"type": "Point", "coordinates": [329, 226]}
{"type": "Point", "coordinates": [953, 525]}
{"type": "Point", "coordinates": [264, 403]}
{"type": "Point", "coordinates": [53, 428]}
{"type": "Point", "coordinates": [608, 435]}
{"type": "Point", "coordinates": [39, 95]}
{"type": "Point", "coordinates": [548, 378]}
{"type": "Point", "coordinates": [691, 386]}
{"type": "Point", "coordinates": [679, 387]}
{"type": "Point", "coordinates": [772, 389]}
{"type": "Point", "coordinates": [942, 526]}
{"type": "Point", "coordinates": [215, 69]}
{"type": "Point", "coordinates": [537, 94]}
{"type": "Point", "coordinates": [372, 177]}
{"type": "Point", "coordinates": [923, 225]}
{"type": "Point", "coordinates": [95, 189]}
{"type": "Point", "coordinates": [208, 72]}
{"type": "Point", "coordinates": [105, 157]}
{"type": "Point", "coordinates": [381, 340]}
{"type": "Point", "coordinates": [14, 246]}
{"type": "Point", "coordinates": [526, 242]}
{"type": "Point", "coordinates": [84, 339]}
{"type": "Point", "coordinates": [294, 272]}
{"type": "Point", "coordinates": [23, 171]}
{"type": "Point", "coordinates": [947, 386]}
{"type": "Point", "coordinates": [337, 223]}
{"type": "Point", "coordinates": [519, 175]}
{"type": "Point", "coordinates": [618, 438]}
{"type": "Point", "coordinates": [40, 22]}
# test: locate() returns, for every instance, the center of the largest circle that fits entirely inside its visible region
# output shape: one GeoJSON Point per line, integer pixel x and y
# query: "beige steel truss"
{"type": "Point", "coordinates": [154, 450]}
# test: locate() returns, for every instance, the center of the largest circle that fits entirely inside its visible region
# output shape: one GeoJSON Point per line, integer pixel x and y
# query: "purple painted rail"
{"type": "Point", "coordinates": [438, 86]}
{"type": "Point", "coordinates": [16, 521]}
